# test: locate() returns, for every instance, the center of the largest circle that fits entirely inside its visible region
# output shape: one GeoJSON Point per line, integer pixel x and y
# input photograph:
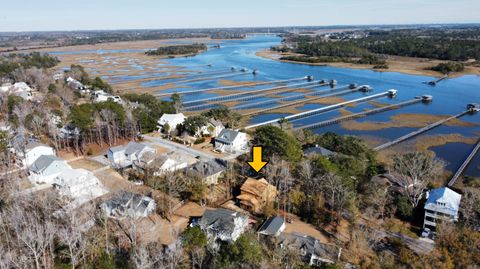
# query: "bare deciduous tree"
{"type": "Point", "coordinates": [416, 170]}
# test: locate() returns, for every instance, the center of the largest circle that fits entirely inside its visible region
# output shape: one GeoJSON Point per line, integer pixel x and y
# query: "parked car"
{"type": "Point", "coordinates": [426, 232]}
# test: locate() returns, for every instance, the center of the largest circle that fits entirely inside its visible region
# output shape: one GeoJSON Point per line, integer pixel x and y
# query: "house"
{"type": "Point", "coordinates": [442, 205]}
{"type": "Point", "coordinates": [123, 156]}
{"type": "Point", "coordinates": [32, 151]}
{"type": "Point", "coordinates": [69, 131]}
{"type": "Point", "coordinates": [311, 250]}
{"type": "Point", "coordinates": [212, 128]}
{"type": "Point", "coordinates": [231, 141]}
{"type": "Point", "coordinates": [127, 204]}
{"type": "Point", "coordinates": [172, 120]}
{"type": "Point", "coordinates": [158, 164]}
{"type": "Point", "coordinates": [317, 150]}
{"type": "Point", "coordinates": [75, 84]}
{"type": "Point", "coordinates": [210, 171]}
{"type": "Point", "coordinates": [223, 224]}
{"type": "Point", "coordinates": [46, 168]}
{"type": "Point", "coordinates": [256, 194]}
{"type": "Point", "coordinates": [79, 185]}
{"type": "Point", "coordinates": [20, 89]}
{"type": "Point", "coordinates": [273, 226]}
{"type": "Point", "coordinates": [102, 96]}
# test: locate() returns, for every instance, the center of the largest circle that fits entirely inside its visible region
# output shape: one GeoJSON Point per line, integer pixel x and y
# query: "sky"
{"type": "Point", "coordinates": [49, 15]}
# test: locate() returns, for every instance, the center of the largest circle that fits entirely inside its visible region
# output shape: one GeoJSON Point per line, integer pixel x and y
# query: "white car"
{"type": "Point", "coordinates": [426, 232]}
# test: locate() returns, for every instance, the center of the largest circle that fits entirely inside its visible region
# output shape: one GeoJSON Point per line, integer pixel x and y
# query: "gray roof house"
{"type": "Point", "coordinates": [231, 141]}
{"type": "Point", "coordinates": [318, 150]}
{"type": "Point", "coordinates": [127, 204]}
{"type": "Point", "coordinates": [442, 204]}
{"type": "Point", "coordinates": [273, 226]}
{"type": "Point", "coordinates": [223, 224]}
{"type": "Point", "coordinates": [46, 168]}
{"type": "Point", "coordinates": [311, 250]}
{"type": "Point", "coordinates": [124, 156]}
{"type": "Point", "coordinates": [210, 171]}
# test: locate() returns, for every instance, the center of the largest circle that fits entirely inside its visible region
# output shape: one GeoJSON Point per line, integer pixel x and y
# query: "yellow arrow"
{"type": "Point", "coordinates": [257, 164]}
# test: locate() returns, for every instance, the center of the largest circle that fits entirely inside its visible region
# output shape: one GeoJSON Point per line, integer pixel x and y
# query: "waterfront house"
{"type": "Point", "coordinates": [126, 204]}
{"type": "Point", "coordinates": [20, 89]}
{"type": "Point", "coordinates": [46, 168]}
{"type": "Point", "coordinates": [170, 120]}
{"type": "Point", "coordinates": [124, 156]}
{"type": "Point", "coordinates": [273, 226]}
{"type": "Point", "coordinates": [223, 225]}
{"type": "Point", "coordinates": [442, 205]}
{"type": "Point", "coordinates": [209, 171]}
{"type": "Point", "coordinates": [102, 96]}
{"type": "Point", "coordinates": [310, 249]}
{"type": "Point", "coordinates": [76, 85]}
{"type": "Point", "coordinates": [32, 151]}
{"type": "Point", "coordinates": [256, 194]}
{"type": "Point", "coordinates": [231, 141]}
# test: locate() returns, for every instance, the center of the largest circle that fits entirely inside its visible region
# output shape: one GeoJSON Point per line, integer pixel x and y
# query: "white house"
{"type": "Point", "coordinates": [172, 120]}
{"type": "Point", "coordinates": [124, 156]}
{"type": "Point", "coordinates": [159, 164]}
{"type": "Point", "coordinates": [33, 151]}
{"type": "Point", "coordinates": [273, 226]}
{"type": "Point", "coordinates": [20, 89]}
{"type": "Point", "coordinates": [442, 205]}
{"type": "Point", "coordinates": [46, 168]}
{"type": "Point", "coordinates": [223, 225]}
{"type": "Point", "coordinates": [102, 96]}
{"type": "Point", "coordinates": [79, 185]}
{"type": "Point", "coordinates": [127, 204]}
{"type": "Point", "coordinates": [231, 141]}
{"type": "Point", "coordinates": [76, 85]}
{"type": "Point", "coordinates": [212, 128]}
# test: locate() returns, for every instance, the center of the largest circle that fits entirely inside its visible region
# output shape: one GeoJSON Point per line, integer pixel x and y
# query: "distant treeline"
{"type": "Point", "coordinates": [11, 62]}
{"type": "Point", "coordinates": [178, 50]}
{"type": "Point", "coordinates": [228, 35]}
{"type": "Point", "coordinates": [448, 44]}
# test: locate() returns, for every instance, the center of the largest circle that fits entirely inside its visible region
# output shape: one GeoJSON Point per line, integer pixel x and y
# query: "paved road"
{"type": "Point", "coordinates": [186, 150]}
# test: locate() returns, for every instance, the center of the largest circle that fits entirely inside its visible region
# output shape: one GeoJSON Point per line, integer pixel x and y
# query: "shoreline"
{"type": "Point", "coordinates": [398, 64]}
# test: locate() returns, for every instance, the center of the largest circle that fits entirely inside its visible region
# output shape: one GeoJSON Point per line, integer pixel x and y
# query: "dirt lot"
{"type": "Point", "coordinates": [86, 164]}
{"type": "Point", "coordinates": [299, 226]}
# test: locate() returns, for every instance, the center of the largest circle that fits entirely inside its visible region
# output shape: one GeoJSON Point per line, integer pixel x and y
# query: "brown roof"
{"type": "Point", "coordinates": [257, 187]}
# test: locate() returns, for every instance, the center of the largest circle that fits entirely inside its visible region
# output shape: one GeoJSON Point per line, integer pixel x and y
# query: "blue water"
{"type": "Point", "coordinates": [450, 96]}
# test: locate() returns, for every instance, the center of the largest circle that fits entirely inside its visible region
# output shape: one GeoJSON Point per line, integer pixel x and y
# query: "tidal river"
{"type": "Point", "coordinates": [451, 142]}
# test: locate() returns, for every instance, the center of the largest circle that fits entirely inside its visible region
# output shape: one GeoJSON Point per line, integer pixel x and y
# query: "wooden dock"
{"type": "Point", "coordinates": [359, 114]}
{"type": "Point", "coordinates": [464, 164]}
{"type": "Point", "coordinates": [419, 131]}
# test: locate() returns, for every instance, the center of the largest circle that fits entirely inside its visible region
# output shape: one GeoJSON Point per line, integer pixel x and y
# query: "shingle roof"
{"type": "Point", "coordinates": [134, 147]}
{"type": "Point", "coordinates": [207, 168]}
{"type": "Point", "coordinates": [318, 150]}
{"type": "Point", "coordinates": [272, 225]}
{"type": "Point", "coordinates": [227, 136]}
{"type": "Point", "coordinates": [43, 162]}
{"type": "Point", "coordinates": [117, 148]}
{"type": "Point", "coordinates": [220, 220]}
{"type": "Point", "coordinates": [446, 196]}
{"type": "Point", "coordinates": [309, 245]}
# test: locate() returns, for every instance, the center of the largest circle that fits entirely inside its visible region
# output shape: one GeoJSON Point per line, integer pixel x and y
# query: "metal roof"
{"type": "Point", "coordinates": [272, 225]}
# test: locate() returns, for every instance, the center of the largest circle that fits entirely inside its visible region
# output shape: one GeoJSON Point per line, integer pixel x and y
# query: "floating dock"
{"type": "Point", "coordinates": [322, 109]}
{"type": "Point", "coordinates": [239, 86]}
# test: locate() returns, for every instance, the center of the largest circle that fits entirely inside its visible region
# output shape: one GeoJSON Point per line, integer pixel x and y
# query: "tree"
{"type": "Point", "coordinates": [275, 141]}
{"type": "Point", "coordinates": [177, 102]}
{"type": "Point", "coordinates": [193, 124]}
{"type": "Point", "coordinates": [337, 194]}
{"type": "Point", "coordinates": [470, 207]}
{"type": "Point", "coordinates": [415, 170]}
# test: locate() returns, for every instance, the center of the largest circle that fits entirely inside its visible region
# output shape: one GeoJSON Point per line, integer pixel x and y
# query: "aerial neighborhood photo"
{"type": "Point", "coordinates": [240, 134]}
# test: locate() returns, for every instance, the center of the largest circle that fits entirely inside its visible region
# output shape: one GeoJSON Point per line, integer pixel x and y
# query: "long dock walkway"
{"type": "Point", "coordinates": [359, 114]}
{"type": "Point", "coordinates": [464, 164]}
{"type": "Point", "coordinates": [306, 100]}
{"type": "Point", "coordinates": [244, 85]}
{"type": "Point", "coordinates": [231, 97]}
{"type": "Point", "coordinates": [419, 131]}
{"type": "Point", "coordinates": [319, 110]}
{"type": "Point", "coordinates": [209, 78]}
{"type": "Point", "coordinates": [287, 98]}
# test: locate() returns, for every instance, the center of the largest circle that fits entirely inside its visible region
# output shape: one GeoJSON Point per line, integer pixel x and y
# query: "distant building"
{"type": "Point", "coordinates": [124, 156]}
{"type": "Point", "coordinates": [102, 96]}
{"type": "Point", "coordinates": [256, 194]}
{"type": "Point", "coordinates": [127, 204]}
{"type": "Point", "coordinates": [210, 171]}
{"type": "Point", "coordinates": [46, 168]}
{"type": "Point", "coordinates": [76, 85]}
{"type": "Point", "coordinates": [442, 205]}
{"type": "Point", "coordinates": [318, 150]}
{"type": "Point", "coordinates": [69, 131]}
{"type": "Point", "coordinates": [273, 226]}
{"type": "Point", "coordinates": [223, 224]}
{"type": "Point", "coordinates": [32, 151]}
{"type": "Point", "coordinates": [231, 141]}
{"type": "Point", "coordinates": [172, 120]}
{"type": "Point", "coordinates": [310, 249]}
